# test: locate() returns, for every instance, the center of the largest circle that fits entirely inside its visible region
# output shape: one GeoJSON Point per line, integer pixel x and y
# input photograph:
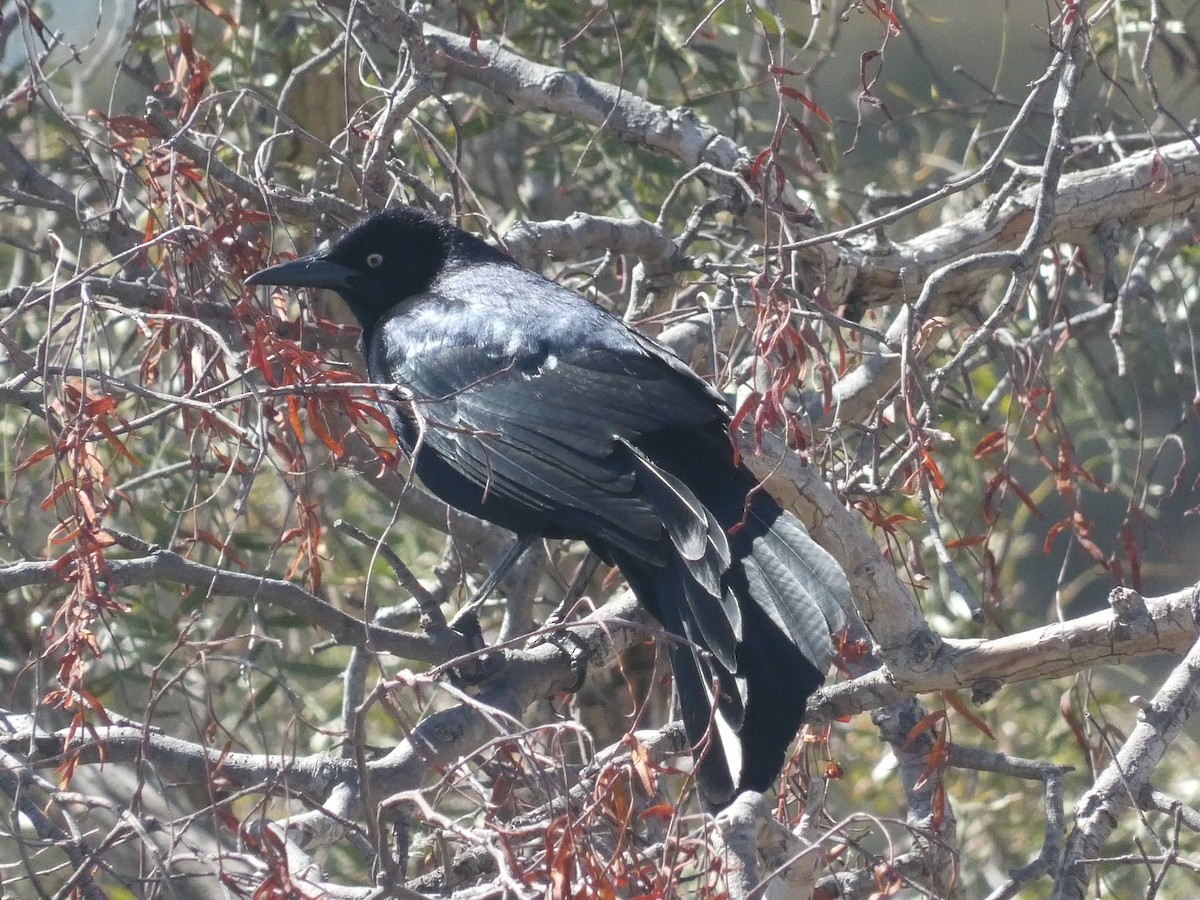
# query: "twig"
{"type": "Point", "coordinates": [169, 567]}
{"type": "Point", "coordinates": [431, 611]}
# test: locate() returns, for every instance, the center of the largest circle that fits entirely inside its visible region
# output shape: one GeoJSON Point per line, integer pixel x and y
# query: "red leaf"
{"type": "Point", "coordinates": [1067, 710]}
{"type": "Point", "coordinates": [937, 759]}
{"type": "Point", "coordinates": [883, 13]}
{"type": "Point", "coordinates": [293, 408]}
{"type": "Point", "coordinates": [749, 405]}
{"type": "Point", "coordinates": [991, 443]}
{"type": "Point", "coordinates": [967, 713]}
{"type": "Point", "coordinates": [99, 406]}
{"type": "Point", "coordinates": [1131, 553]}
{"type": "Point", "coordinates": [759, 162]}
{"type": "Point", "coordinates": [642, 766]}
{"type": "Point", "coordinates": [316, 421]}
{"type": "Point", "coordinates": [812, 107]}
{"type": "Point", "coordinates": [974, 540]}
{"type": "Point", "coordinates": [931, 468]}
{"type": "Point", "coordinates": [811, 142]}
{"type": "Point", "coordinates": [663, 811]}
{"type": "Point", "coordinates": [115, 442]}
{"type": "Point", "coordinates": [359, 411]}
{"type": "Point", "coordinates": [34, 458]}
{"type": "Point", "coordinates": [55, 493]}
{"type": "Point", "coordinates": [924, 725]}
{"type": "Point", "coordinates": [217, 11]}
{"type": "Point", "coordinates": [213, 541]}
{"type": "Point", "coordinates": [1055, 530]}
{"type": "Point", "coordinates": [1024, 497]}
{"type": "Point", "coordinates": [185, 41]}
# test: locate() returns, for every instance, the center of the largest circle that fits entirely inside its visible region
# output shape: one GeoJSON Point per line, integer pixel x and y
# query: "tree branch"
{"type": "Point", "coordinates": [1149, 187]}
{"type": "Point", "coordinates": [1123, 780]}
{"type": "Point", "coordinates": [1064, 648]}
{"type": "Point", "coordinates": [169, 567]}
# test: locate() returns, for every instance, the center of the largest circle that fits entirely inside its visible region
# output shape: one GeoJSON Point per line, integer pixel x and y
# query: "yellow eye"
{"type": "Point", "coordinates": [375, 260]}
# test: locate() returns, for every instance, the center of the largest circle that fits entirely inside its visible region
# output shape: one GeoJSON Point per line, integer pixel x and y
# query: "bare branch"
{"type": "Point", "coordinates": [1064, 648]}
{"type": "Point", "coordinates": [169, 567]}
{"type": "Point", "coordinates": [582, 235]}
{"type": "Point", "coordinates": [1146, 188]}
{"type": "Point", "coordinates": [1123, 780]}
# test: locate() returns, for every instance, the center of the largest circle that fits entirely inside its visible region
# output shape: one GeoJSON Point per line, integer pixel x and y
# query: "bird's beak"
{"type": "Point", "coordinates": [308, 271]}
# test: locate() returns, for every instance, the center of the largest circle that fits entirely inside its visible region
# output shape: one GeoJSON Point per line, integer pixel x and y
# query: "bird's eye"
{"type": "Point", "coordinates": [375, 260]}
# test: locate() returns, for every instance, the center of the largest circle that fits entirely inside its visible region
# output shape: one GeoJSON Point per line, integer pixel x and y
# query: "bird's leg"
{"type": "Point", "coordinates": [587, 569]}
{"type": "Point", "coordinates": [478, 666]}
{"type": "Point", "coordinates": [466, 620]}
{"type": "Point", "coordinates": [502, 568]}
{"type": "Point", "coordinates": [577, 652]}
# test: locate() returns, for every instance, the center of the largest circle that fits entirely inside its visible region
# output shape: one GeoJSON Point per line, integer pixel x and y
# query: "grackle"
{"type": "Point", "coordinates": [524, 404]}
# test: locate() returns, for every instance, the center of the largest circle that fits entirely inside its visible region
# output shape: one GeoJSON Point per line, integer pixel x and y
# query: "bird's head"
{"type": "Point", "coordinates": [380, 262]}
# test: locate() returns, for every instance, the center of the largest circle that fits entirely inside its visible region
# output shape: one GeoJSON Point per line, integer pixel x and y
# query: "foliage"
{"type": "Point", "coordinates": [894, 248]}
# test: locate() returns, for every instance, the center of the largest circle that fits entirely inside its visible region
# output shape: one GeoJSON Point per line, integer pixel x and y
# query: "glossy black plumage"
{"type": "Point", "coordinates": [533, 408]}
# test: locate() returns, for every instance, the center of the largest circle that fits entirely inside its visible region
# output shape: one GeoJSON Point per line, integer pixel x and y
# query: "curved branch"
{"type": "Point", "coordinates": [168, 566]}
{"type": "Point", "coordinates": [441, 739]}
{"type": "Point", "coordinates": [1167, 624]}
{"type": "Point", "coordinates": [1146, 188]}
{"type": "Point", "coordinates": [108, 744]}
{"type": "Point", "coordinates": [1128, 774]}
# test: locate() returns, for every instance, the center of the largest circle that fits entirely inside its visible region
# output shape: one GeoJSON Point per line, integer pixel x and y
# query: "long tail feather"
{"type": "Point", "coordinates": [740, 709]}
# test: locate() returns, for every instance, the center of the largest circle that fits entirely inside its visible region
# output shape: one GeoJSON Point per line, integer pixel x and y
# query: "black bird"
{"type": "Point", "coordinates": [526, 405]}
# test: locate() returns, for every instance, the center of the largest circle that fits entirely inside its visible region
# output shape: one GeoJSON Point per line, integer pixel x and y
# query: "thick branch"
{"type": "Point", "coordinates": [109, 744]}
{"type": "Point", "coordinates": [1169, 625]}
{"type": "Point", "coordinates": [581, 235]}
{"type": "Point", "coordinates": [1146, 188]}
{"type": "Point", "coordinates": [1123, 780]}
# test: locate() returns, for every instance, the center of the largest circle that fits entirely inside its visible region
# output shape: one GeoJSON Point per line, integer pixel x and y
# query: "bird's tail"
{"type": "Point", "coordinates": [781, 596]}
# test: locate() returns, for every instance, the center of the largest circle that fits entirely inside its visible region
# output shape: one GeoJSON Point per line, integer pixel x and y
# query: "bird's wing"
{"type": "Point", "coordinates": [555, 428]}
{"type": "Point", "coordinates": [549, 424]}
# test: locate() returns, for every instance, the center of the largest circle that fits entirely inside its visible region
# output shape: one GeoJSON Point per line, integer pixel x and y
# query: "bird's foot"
{"type": "Point", "coordinates": [502, 568]}
{"type": "Point", "coordinates": [474, 671]}
{"type": "Point", "coordinates": [478, 666]}
{"type": "Point", "coordinates": [576, 649]}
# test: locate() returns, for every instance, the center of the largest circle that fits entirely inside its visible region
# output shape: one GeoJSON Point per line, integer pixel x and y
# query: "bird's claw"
{"type": "Point", "coordinates": [576, 648]}
{"type": "Point", "coordinates": [478, 667]}
{"type": "Point", "coordinates": [475, 671]}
